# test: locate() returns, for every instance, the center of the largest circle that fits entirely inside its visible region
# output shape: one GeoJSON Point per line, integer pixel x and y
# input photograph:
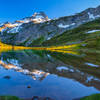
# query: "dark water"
{"type": "Point", "coordinates": [57, 76]}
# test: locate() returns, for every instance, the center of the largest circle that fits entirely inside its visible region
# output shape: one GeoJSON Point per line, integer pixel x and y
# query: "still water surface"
{"type": "Point", "coordinates": [52, 75]}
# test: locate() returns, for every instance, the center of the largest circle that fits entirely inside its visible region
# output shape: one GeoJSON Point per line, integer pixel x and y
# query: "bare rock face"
{"type": "Point", "coordinates": [38, 28]}
{"type": "Point", "coordinates": [35, 18]}
{"type": "Point", "coordinates": [39, 17]}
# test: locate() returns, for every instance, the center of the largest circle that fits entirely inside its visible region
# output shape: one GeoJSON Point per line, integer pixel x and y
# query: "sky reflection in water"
{"type": "Point", "coordinates": [59, 76]}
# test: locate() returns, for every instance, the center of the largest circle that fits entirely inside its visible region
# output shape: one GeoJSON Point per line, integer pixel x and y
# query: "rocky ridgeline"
{"type": "Point", "coordinates": [34, 30]}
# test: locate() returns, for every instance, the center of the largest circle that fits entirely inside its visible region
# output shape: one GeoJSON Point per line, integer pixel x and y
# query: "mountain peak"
{"type": "Point", "coordinates": [40, 15]}
{"type": "Point", "coordinates": [63, 23]}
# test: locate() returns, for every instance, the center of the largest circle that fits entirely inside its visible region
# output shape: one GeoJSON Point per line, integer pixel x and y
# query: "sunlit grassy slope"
{"type": "Point", "coordinates": [75, 38]}
{"type": "Point", "coordinates": [5, 48]}
{"type": "Point", "coordinates": [9, 98]}
{"type": "Point", "coordinates": [79, 35]}
{"type": "Point", "coordinates": [92, 97]}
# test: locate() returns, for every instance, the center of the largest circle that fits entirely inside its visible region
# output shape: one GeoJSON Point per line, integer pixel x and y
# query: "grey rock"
{"type": "Point", "coordinates": [34, 31]}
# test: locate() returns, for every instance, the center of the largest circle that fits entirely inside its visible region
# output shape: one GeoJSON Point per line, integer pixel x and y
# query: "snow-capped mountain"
{"type": "Point", "coordinates": [35, 18]}
{"type": "Point", "coordinates": [39, 27]}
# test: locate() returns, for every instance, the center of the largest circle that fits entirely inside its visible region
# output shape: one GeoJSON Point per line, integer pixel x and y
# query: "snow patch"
{"type": "Point", "coordinates": [71, 70]}
{"type": "Point", "coordinates": [90, 78]}
{"type": "Point", "coordinates": [15, 29]}
{"type": "Point", "coordinates": [26, 21]}
{"type": "Point", "coordinates": [1, 24]}
{"type": "Point", "coordinates": [49, 38]}
{"type": "Point", "coordinates": [72, 24]}
{"type": "Point", "coordinates": [92, 65]}
{"type": "Point", "coordinates": [14, 62]}
{"type": "Point", "coordinates": [97, 16]}
{"type": "Point", "coordinates": [65, 26]}
{"type": "Point", "coordinates": [91, 16]}
{"type": "Point", "coordinates": [48, 56]}
{"type": "Point", "coordinates": [62, 68]}
{"type": "Point", "coordinates": [3, 30]}
{"type": "Point", "coordinates": [36, 74]}
{"type": "Point", "coordinates": [92, 31]}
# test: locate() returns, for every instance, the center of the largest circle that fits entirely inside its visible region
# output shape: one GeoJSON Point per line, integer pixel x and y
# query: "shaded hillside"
{"type": "Point", "coordinates": [88, 35]}
{"type": "Point", "coordinates": [59, 31]}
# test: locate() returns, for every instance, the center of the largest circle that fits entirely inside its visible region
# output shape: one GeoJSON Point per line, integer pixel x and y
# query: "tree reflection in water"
{"type": "Point", "coordinates": [42, 65]}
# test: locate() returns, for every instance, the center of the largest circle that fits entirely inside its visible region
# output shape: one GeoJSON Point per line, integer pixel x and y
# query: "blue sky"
{"type": "Point", "coordinates": [16, 9]}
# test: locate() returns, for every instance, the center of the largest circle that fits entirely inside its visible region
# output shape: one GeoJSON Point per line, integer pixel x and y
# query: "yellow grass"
{"type": "Point", "coordinates": [5, 48]}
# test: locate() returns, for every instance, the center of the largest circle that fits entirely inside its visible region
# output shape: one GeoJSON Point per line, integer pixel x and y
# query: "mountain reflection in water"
{"type": "Point", "coordinates": [60, 75]}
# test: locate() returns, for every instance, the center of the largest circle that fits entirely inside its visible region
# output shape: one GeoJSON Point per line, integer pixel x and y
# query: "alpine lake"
{"type": "Point", "coordinates": [49, 75]}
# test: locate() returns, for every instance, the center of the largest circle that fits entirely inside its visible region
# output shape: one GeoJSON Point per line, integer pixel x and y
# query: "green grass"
{"type": "Point", "coordinates": [37, 42]}
{"type": "Point", "coordinates": [92, 97]}
{"type": "Point", "coordinates": [78, 35]}
{"type": "Point", "coordinates": [9, 98]}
